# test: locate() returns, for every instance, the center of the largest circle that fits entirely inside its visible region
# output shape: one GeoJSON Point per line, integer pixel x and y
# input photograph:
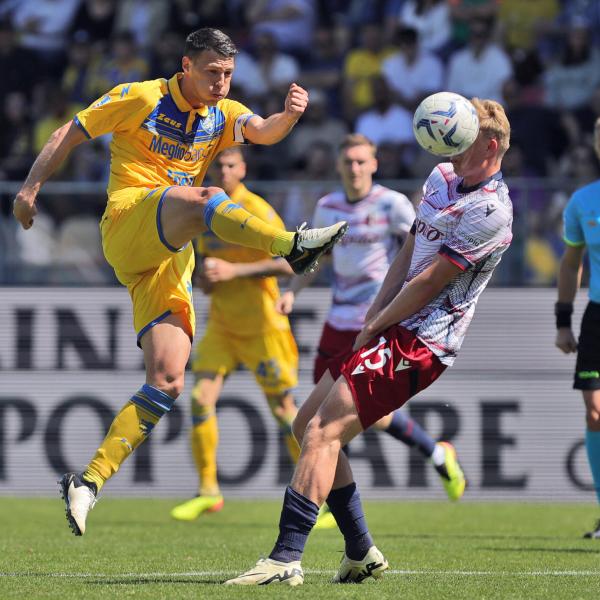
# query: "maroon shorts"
{"type": "Point", "coordinates": [390, 369]}
{"type": "Point", "coordinates": [334, 347]}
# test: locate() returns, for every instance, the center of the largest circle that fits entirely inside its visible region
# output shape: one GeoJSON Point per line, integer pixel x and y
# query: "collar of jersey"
{"type": "Point", "coordinates": [467, 190]}
{"type": "Point", "coordinates": [353, 202]}
{"type": "Point", "coordinates": [182, 104]}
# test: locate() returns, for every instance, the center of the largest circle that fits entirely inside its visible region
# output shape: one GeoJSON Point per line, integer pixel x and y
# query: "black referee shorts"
{"type": "Point", "coordinates": [587, 368]}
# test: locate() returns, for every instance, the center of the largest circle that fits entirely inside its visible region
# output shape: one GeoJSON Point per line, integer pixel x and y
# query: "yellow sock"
{"type": "Point", "coordinates": [235, 224]}
{"type": "Point", "coordinates": [292, 447]}
{"type": "Point", "coordinates": [285, 418]}
{"type": "Point", "coordinates": [126, 433]}
{"type": "Point", "coordinates": [205, 440]}
{"type": "Point", "coordinates": [129, 429]}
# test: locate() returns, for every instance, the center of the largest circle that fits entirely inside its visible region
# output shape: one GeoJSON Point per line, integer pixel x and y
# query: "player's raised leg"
{"type": "Point", "coordinates": [204, 437]}
{"type": "Point", "coordinates": [441, 454]}
{"type": "Point", "coordinates": [166, 348]}
{"type": "Point", "coordinates": [186, 211]}
{"type": "Point", "coordinates": [334, 425]}
{"type": "Point", "coordinates": [592, 445]}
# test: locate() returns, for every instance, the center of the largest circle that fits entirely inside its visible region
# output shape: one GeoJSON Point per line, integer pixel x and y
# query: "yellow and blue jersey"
{"type": "Point", "coordinates": [246, 305]}
{"type": "Point", "coordinates": [159, 139]}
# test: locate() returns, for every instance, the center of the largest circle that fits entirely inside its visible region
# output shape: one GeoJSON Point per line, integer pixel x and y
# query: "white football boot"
{"type": "Point", "coordinates": [79, 500]}
{"type": "Point", "coordinates": [269, 571]}
{"type": "Point", "coordinates": [310, 244]}
{"type": "Point", "coordinates": [356, 571]}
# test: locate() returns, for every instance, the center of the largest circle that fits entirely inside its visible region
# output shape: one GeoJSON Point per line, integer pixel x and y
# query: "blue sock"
{"type": "Point", "coordinates": [298, 516]}
{"type": "Point", "coordinates": [592, 445]}
{"type": "Point", "coordinates": [346, 507]}
{"type": "Point", "coordinates": [406, 430]}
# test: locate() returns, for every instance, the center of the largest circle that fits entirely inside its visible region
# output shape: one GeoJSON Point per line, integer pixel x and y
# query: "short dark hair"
{"type": "Point", "coordinates": [232, 150]}
{"type": "Point", "coordinates": [208, 38]}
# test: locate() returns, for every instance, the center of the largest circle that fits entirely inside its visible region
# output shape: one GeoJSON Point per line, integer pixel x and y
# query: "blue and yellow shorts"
{"type": "Point", "coordinates": [272, 356]}
{"type": "Point", "coordinates": [157, 275]}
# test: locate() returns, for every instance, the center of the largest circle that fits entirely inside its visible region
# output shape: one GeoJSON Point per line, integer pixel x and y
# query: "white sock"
{"type": "Point", "coordinates": [439, 455]}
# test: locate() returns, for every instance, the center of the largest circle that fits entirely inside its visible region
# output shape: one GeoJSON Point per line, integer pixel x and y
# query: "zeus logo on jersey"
{"type": "Point", "coordinates": [382, 355]}
{"type": "Point", "coordinates": [430, 233]}
{"type": "Point", "coordinates": [168, 120]}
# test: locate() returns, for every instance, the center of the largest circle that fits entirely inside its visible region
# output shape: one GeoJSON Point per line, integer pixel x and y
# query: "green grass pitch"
{"type": "Point", "coordinates": [435, 550]}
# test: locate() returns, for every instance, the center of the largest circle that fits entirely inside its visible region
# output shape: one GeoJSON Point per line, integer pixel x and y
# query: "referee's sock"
{"type": "Point", "coordinates": [592, 445]}
{"type": "Point", "coordinates": [235, 224]}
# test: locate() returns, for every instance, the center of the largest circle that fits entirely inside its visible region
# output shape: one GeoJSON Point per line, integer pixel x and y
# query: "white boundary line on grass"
{"type": "Point", "coordinates": [450, 573]}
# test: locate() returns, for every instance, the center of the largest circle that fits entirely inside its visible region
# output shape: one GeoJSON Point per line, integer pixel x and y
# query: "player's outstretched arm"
{"type": "Point", "coordinates": [394, 279]}
{"type": "Point", "coordinates": [217, 269]}
{"type": "Point", "coordinates": [274, 128]}
{"type": "Point", "coordinates": [569, 280]}
{"type": "Point", "coordinates": [417, 293]}
{"type": "Point", "coordinates": [57, 148]}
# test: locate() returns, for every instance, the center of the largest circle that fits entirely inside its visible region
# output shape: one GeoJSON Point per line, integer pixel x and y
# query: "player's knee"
{"type": "Point", "coordinates": [196, 218]}
{"type": "Point", "coordinates": [282, 407]}
{"type": "Point", "coordinates": [212, 191]}
{"type": "Point", "coordinates": [199, 396]}
{"type": "Point", "coordinates": [593, 419]}
{"type": "Point", "coordinates": [170, 383]}
{"type": "Point", "coordinates": [203, 194]}
{"type": "Point", "coordinates": [318, 436]}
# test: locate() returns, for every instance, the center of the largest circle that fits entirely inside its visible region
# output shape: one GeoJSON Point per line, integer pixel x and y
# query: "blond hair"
{"type": "Point", "coordinates": [493, 122]}
{"type": "Point", "coordinates": [357, 139]}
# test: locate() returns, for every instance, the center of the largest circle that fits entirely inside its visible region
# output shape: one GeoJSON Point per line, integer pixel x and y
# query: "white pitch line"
{"type": "Point", "coordinates": [449, 573]}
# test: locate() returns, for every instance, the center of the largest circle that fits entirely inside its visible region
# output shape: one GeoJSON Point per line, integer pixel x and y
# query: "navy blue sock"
{"type": "Point", "coordinates": [298, 516]}
{"type": "Point", "coordinates": [346, 507]}
{"type": "Point", "coordinates": [406, 430]}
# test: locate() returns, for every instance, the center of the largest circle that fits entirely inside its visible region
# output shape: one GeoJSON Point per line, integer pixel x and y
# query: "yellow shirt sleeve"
{"type": "Point", "coordinates": [236, 116]}
{"type": "Point", "coordinates": [265, 212]}
{"type": "Point", "coordinates": [120, 110]}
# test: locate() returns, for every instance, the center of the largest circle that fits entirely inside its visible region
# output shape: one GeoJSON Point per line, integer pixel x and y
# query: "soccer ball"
{"type": "Point", "coordinates": [445, 124]}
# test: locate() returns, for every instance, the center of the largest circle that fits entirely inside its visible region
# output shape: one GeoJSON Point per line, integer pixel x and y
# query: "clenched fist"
{"type": "Point", "coordinates": [296, 101]}
{"type": "Point", "coordinates": [24, 208]}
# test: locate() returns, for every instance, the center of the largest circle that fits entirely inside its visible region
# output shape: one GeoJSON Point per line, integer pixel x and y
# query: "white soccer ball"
{"type": "Point", "coordinates": [445, 124]}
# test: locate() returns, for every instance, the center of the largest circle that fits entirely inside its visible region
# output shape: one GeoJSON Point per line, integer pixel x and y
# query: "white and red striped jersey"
{"type": "Point", "coordinates": [470, 227]}
{"type": "Point", "coordinates": [362, 257]}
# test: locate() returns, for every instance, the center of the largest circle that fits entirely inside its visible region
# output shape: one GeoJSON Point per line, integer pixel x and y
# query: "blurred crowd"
{"type": "Point", "coordinates": [366, 63]}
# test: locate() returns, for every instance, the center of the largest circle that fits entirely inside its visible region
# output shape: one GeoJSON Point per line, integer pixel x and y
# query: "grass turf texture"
{"type": "Point", "coordinates": [435, 550]}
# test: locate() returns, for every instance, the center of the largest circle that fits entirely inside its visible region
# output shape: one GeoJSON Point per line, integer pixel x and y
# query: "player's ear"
{"type": "Point", "coordinates": [186, 63]}
{"type": "Point", "coordinates": [492, 147]}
